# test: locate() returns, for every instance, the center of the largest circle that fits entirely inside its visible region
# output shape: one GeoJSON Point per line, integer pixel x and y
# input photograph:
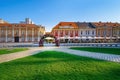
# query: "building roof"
{"type": "Point", "coordinates": [18, 25]}
{"type": "Point", "coordinates": [5, 24]}
{"type": "Point", "coordinates": [25, 24]}
{"type": "Point", "coordinates": [108, 24]}
{"type": "Point", "coordinates": [68, 24]}
{"type": "Point", "coordinates": [85, 25]}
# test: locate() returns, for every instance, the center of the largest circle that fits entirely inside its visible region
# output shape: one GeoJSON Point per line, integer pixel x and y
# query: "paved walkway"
{"type": "Point", "coordinates": [12, 56]}
{"type": "Point", "coordinates": [102, 56]}
{"type": "Point", "coordinates": [32, 51]}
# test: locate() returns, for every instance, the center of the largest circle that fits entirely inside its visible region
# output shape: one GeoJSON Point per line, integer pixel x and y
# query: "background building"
{"type": "Point", "coordinates": [20, 32]}
{"type": "Point", "coordinates": [87, 32]}
{"type": "Point", "coordinates": [107, 32]}
{"type": "Point", "coordinates": [68, 32]}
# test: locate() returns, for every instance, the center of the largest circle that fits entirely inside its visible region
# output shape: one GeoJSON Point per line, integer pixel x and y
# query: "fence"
{"type": "Point", "coordinates": [92, 44]}
{"type": "Point", "coordinates": [5, 45]}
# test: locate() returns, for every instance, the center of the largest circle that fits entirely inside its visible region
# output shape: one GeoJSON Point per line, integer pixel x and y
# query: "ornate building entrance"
{"type": "Point", "coordinates": [49, 38]}
{"type": "Point", "coordinates": [16, 39]}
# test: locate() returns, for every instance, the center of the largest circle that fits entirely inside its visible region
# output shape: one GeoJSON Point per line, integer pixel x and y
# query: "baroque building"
{"type": "Point", "coordinates": [20, 32]}
{"type": "Point", "coordinates": [107, 32]}
{"type": "Point", "coordinates": [68, 32]}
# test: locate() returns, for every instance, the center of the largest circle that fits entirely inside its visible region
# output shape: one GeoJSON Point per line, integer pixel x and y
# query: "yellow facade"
{"type": "Point", "coordinates": [20, 32]}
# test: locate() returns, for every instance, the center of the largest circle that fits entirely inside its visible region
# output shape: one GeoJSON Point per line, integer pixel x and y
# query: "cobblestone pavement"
{"type": "Point", "coordinates": [12, 56]}
{"type": "Point", "coordinates": [32, 51]}
{"type": "Point", "coordinates": [102, 56]}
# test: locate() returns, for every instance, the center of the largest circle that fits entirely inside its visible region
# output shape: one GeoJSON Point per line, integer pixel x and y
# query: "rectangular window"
{"type": "Point", "coordinates": [29, 32]}
{"type": "Point", "coordinates": [104, 33]}
{"type": "Point", "coordinates": [98, 32]}
{"type": "Point", "coordinates": [93, 32]}
{"type": "Point", "coordinates": [16, 32]}
{"type": "Point", "coordinates": [88, 32]}
{"type": "Point", "coordinates": [23, 32]}
{"type": "Point", "coordinates": [81, 32]}
{"type": "Point", "coordinates": [2, 32]}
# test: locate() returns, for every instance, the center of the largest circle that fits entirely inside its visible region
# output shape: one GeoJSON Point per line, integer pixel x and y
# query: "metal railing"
{"type": "Point", "coordinates": [6, 45]}
{"type": "Point", "coordinates": [92, 44]}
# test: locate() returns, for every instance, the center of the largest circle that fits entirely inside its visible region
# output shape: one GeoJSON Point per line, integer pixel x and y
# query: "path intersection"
{"type": "Point", "coordinates": [32, 51]}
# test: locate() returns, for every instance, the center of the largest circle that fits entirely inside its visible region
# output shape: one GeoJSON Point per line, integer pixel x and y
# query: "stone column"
{"type": "Point", "coordinates": [74, 33]}
{"type": "Point", "coordinates": [78, 33]}
{"type": "Point", "coordinates": [32, 34]}
{"type": "Point", "coordinates": [12, 34]}
{"type": "Point", "coordinates": [110, 35]}
{"type": "Point", "coordinates": [19, 34]}
{"type": "Point", "coordinates": [63, 33]}
{"type": "Point", "coordinates": [69, 33]}
{"type": "Point", "coordinates": [58, 34]}
{"type": "Point", "coordinates": [26, 39]}
{"type": "Point", "coordinates": [38, 35]}
{"type": "Point", "coordinates": [54, 32]}
{"type": "Point", "coordinates": [6, 40]}
{"type": "Point", "coordinates": [0, 34]}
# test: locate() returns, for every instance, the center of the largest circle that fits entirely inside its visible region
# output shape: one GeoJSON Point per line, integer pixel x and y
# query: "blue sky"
{"type": "Point", "coordinates": [50, 12]}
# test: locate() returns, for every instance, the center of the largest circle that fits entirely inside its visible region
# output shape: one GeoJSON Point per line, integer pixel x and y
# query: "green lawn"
{"type": "Point", "coordinates": [101, 50]}
{"type": "Point", "coordinates": [11, 50]}
{"type": "Point", "coordinates": [52, 65]}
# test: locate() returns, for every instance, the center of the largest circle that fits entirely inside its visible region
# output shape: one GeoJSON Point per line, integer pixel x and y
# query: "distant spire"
{"type": "Point", "coordinates": [27, 21]}
{"type": "Point", "coordinates": [1, 20]}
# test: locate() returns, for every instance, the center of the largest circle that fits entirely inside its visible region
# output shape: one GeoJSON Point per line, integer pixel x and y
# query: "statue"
{"type": "Point", "coordinates": [57, 42]}
{"type": "Point", "coordinates": [40, 43]}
